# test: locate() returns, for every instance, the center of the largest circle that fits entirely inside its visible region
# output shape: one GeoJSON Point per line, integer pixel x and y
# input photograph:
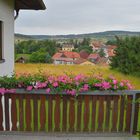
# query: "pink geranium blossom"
{"type": "Point", "coordinates": [48, 90]}
{"type": "Point", "coordinates": [2, 91]}
{"type": "Point", "coordinates": [115, 82]}
{"type": "Point", "coordinates": [106, 85]}
{"type": "Point", "coordinates": [29, 88]}
{"type": "Point", "coordinates": [55, 84]}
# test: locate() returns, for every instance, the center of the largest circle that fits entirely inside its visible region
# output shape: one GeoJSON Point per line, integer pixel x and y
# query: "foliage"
{"type": "Point", "coordinates": [39, 51]}
{"type": "Point", "coordinates": [127, 58]}
{"type": "Point", "coordinates": [65, 84]}
{"type": "Point", "coordinates": [85, 42]}
{"type": "Point", "coordinates": [101, 53]}
{"type": "Point", "coordinates": [85, 48]}
{"type": "Point", "coordinates": [28, 47]}
{"type": "Point", "coordinates": [38, 57]}
{"type": "Point", "coordinates": [111, 42]}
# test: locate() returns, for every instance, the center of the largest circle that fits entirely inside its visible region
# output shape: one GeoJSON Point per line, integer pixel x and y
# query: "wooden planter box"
{"type": "Point", "coordinates": [96, 111]}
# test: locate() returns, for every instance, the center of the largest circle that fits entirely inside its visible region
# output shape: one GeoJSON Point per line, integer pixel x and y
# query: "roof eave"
{"type": "Point", "coordinates": [29, 5]}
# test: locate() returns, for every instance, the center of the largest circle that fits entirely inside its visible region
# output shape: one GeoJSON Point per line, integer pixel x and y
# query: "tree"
{"type": "Point", "coordinates": [40, 57]}
{"type": "Point", "coordinates": [30, 46]}
{"type": "Point", "coordinates": [127, 58]}
{"type": "Point", "coordinates": [85, 48]}
{"type": "Point", "coordinates": [85, 42]}
{"type": "Point", "coordinates": [101, 52]}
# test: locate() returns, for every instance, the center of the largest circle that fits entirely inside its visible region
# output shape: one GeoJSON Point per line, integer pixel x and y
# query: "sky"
{"type": "Point", "coordinates": [80, 16]}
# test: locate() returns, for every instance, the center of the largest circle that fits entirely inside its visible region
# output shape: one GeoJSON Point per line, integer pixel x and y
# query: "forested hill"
{"type": "Point", "coordinates": [106, 35]}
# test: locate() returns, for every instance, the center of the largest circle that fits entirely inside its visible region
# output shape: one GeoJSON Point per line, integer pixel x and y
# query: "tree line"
{"type": "Point", "coordinates": [127, 58]}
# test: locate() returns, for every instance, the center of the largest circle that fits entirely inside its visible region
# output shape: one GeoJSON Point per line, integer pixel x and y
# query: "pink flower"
{"type": "Point", "coordinates": [29, 88]}
{"type": "Point", "coordinates": [121, 84]}
{"type": "Point", "coordinates": [115, 86]}
{"type": "Point", "coordinates": [40, 85]}
{"type": "Point", "coordinates": [71, 92]}
{"type": "Point", "coordinates": [86, 87]}
{"type": "Point", "coordinates": [115, 82]}
{"type": "Point", "coordinates": [2, 91]}
{"type": "Point", "coordinates": [98, 85]}
{"type": "Point", "coordinates": [48, 90]}
{"type": "Point", "coordinates": [106, 85]}
{"type": "Point", "coordinates": [129, 86]}
{"type": "Point", "coordinates": [79, 77]}
{"type": "Point", "coordinates": [55, 84]}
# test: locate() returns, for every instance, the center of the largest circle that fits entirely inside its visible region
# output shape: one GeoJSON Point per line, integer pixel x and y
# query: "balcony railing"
{"type": "Point", "coordinates": [92, 112]}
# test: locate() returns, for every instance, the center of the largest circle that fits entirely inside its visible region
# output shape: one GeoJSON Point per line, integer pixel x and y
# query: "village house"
{"type": "Point", "coordinates": [7, 8]}
{"type": "Point", "coordinates": [96, 45]}
{"type": "Point", "coordinates": [65, 57]}
{"type": "Point", "coordinates": [94, 57]}
{"type": "Point", "coordinates": [82, 61]}
{"type": "Point", "coordinates": [67, 47]}
{"type": "Point", "coordinates": [21, 60]}
{"type": "Point", "coordinates": [111, 50]}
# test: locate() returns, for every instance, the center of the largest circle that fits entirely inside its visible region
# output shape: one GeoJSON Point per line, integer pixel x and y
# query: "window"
{"type": "Point", "coordinates": [1, 44]}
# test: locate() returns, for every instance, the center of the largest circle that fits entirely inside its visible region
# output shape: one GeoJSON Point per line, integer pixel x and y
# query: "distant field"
{"type": "Point", "coordinates": [74, 69]}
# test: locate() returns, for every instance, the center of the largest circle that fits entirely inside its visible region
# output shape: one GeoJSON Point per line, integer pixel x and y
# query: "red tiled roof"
{"type": "Point", "coordinates": [112, 47]}
{"type": "Point", "coordinates": [71, 54]}
{"type": "Point", "coordinates": [84, 54]}
{"type": "Point", "coordinates": [56, 55]}
{"type": "Point", "coordinates": [97, 44]}
{"type": "Point", "coordinates": [111, 50]}
{"type": "Point", "coordinates": [111, 53]}
{"type": "Point", "coordinates": [66, 54]}
{"type": "Point", "coordinates": [93, 56]}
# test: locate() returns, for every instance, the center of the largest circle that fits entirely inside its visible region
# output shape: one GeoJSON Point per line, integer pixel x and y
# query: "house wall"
{"type": "Point", "coordinates": [7, 17]}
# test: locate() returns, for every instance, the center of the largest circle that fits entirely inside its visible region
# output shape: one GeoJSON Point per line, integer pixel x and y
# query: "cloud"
{"type": "Point", "coordinates": [80, 16]}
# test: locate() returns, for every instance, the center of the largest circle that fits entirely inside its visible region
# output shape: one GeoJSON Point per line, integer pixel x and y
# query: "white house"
{"type": "Point", "coordinates": [7, 8]}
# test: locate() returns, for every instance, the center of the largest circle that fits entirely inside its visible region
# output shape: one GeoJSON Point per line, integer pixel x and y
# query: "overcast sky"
{"type": "Point", "coordinates": [80, 16]}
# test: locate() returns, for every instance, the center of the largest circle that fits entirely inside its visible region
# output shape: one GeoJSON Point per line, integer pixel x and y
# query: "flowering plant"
{"type": "Point", "coordinates": [71, 84]}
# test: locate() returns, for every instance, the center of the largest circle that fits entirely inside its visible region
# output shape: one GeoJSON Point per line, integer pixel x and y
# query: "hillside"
{"type": "Point", "coordinates": [107, 35]}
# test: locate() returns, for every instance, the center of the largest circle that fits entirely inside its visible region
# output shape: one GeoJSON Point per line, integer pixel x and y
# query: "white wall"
{"type": "Point", "coordinates": [7, 16]}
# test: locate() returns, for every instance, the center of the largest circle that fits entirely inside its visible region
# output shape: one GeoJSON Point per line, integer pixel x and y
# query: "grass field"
{"type": "Point", "coordinates": [75, 69]}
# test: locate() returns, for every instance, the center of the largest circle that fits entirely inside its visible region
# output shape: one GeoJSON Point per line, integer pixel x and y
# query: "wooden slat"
{"type": "Point", "coordinates": [50, 112]}
{"type": "Point", "coordinates": [128, 113]}
{"type": "Point", "coordinates": [136, 114]}
{"type": "Point", "coordinates": [101, 113]}
{"type": "Point", "coordinates": [57, 113]}
{"type": "Point", "coordinates": [93, 99]}
{"type": "Point", "coordinates": [35, 104]}
{"type": "Point", "coordinates": [115, 113]}
{"type": "Point", "coordinates": [28, 113]}
{"type": "Point", "coordinates": [122, 108]}
{"type": "Point", "coordinates": [14, 112]}
{"type": "Point", "coordinates": [1, 114]}
{"type": "Point", "coordinates": [21, 113]}
{"type": "Point", "coordinates": [108, 107]}
{"type": "Point", "coordinates": [7, 124]}
{"type": "Point", "coordinates": [42, 112]}
{"type": "Point", "coordinates": [86, 113]}
{"type": "Point", "coordinates": [72, 114]}
{"type": "Point", "coordinates": [64, 124]}
{"type": "Point", "coordinates": [79, 112]}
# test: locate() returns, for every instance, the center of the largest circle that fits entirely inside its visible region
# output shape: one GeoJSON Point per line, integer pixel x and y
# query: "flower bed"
{"type": "Point", "coordinates": [69, 84]}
